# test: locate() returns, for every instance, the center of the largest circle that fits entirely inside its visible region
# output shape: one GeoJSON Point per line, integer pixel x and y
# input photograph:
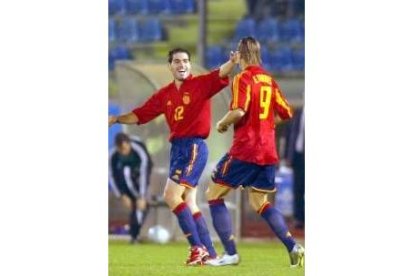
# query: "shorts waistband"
{"type": "Point", "coordinates": [186, 139]}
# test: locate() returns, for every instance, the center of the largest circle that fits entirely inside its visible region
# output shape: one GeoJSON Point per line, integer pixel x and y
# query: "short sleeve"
{"type": "Point", "coordinates": [151, 109]}
{"type": "Point", "coordinates": [241, 92]}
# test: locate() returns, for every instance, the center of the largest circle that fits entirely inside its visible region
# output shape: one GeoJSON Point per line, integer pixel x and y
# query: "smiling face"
{"type": "Point", "coordinates": [180, 66]}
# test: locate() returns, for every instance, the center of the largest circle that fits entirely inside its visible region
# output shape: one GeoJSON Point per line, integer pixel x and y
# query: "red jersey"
{"type": "Point", "coordinates": [260, 97]}
{"type": "Point", "coordinates": [188, 109]}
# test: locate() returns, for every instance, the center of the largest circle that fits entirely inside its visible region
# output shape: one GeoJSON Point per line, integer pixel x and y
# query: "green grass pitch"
{"type": "Point", "coordinates": [145, 259]}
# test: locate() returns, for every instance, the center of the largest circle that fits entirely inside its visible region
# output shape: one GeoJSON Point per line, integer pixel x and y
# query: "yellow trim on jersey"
{"type": "Point", "coordinates": [193, 157]}
{"type": "Point", "coordinates": [236, 91]}
{"type": "Point", "coordinates": [282, 102]}
{"type": "Point", "coordinates": [248, 91]}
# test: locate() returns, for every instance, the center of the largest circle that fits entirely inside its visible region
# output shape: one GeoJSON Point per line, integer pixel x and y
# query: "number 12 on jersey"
{"type": "Point", "coordinates": [265, 97]}
{"type": "Point", "coordinates": [178, 113]}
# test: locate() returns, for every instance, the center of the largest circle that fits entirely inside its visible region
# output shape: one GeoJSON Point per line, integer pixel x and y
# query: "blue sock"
{"type": "Point", "coordinates": [187, 224]}
{"type": "Point", "coordinates": [222, 224]}
{"type": "Point", "coordinates": [277, 222]}
{"type": "Point", "coordinates": [204, 234]}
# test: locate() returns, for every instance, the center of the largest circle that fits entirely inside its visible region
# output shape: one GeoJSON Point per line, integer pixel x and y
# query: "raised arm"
{"type": "Point", "coordinates": [226, 68]}
{"type": "Point", "coordinates": [128, 118]}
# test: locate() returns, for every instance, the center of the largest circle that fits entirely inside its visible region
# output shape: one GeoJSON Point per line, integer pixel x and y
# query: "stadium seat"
{"type": "Point", "coordinates": [137, 6]}
{"type": "Point", "coordinates": [281, 60]}
{"type": "Point", "coordinates": [268, 30]}
{"type": "Point", "coordinates": [118, 53]}
{"type": "Point", "coordinates": [123, 53]}
{"type": "Point", "coordinates": [117, 7]}
{"type": "Point", "coordinates": [245, 27]}
{"type": "Point", "coordinates": [113, 7]}
{"type": "Point", "coordinates": [299, 6]}
{"type": "Point", "coordinates": [112, 31]}
{"type": "Point", "coordinates": [151, 30]}
{"type": "Point", "coordinates": [298, 58]}
{"type": "Point", "coordinates": [159, 6]}
{"type": "Point", "coordinates": [266, 58]}
{"type": "Point", "coordinates": [182, 6]}
{"type": "Point", "coordinates": [129, 30]}
{"type": "Point", "coordinates": [292, 30]}
{"type": "Point", "coordinates": [214, 56]}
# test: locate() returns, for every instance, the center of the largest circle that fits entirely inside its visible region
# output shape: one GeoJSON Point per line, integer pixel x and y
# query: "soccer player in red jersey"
{"type": "Point", "coordinates": [185, 103]}
{"type": "Point", "coordinates": [257, 103]}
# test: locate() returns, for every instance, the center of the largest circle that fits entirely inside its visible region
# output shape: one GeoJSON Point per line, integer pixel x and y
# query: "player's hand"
{"type": "Point", "coordinates": [234, 56]}
{"type": "Point", "coordinates": [141, 203]}
{"type": "Point", "coordinates": [221, 127]}
{"type": "Point", "coordinates": [112, 120]}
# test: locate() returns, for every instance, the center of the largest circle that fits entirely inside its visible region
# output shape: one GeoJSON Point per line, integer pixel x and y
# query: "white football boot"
{"type": "Point", "coordinates": [297, 256]}
{"type": "Point", "coordinates": [224, 260]}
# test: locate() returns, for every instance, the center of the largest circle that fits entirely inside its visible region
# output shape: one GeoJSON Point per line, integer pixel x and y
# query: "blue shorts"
{"type": "Point", "coordinates": [188, 158]}
{"type": "Point", "coordinates": [231, 172]}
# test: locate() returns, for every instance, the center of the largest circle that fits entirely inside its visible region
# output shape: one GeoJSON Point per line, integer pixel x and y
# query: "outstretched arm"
{"type": "Point", "coordinates": [231, 117]}
{"type": "Point", "coordinates": [226, 68]}
{"type": "Point", "coordinates": [128, 118]}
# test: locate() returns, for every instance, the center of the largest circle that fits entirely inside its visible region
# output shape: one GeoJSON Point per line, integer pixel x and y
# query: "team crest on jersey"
{"type": "Point", "coordinates": [186, 98]}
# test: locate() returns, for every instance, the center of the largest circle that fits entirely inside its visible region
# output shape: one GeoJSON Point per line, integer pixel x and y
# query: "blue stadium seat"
{"type": "Point", "coordinates": [245, 27]}
{"type": "Point", "coordinates": [117, 7]}
{"type": "Point", "coordinates": [137, 6]}
{"type": "Point", "coordinates": [123, 53]}
{"type": "Point", "coordinates": [281, 60]}
{"type": "Point", "coordinates": [151, 30]}
{"type": "Point", "coordinates": [182, 6]}
{"type": "Point", "coordinates": [111, 60]}
{"type": "Point", "coordinates": [113, 7]}
{"type": "Point", "coordinates": [302, 30]}
{"type": "Point", "coordinates": [159, 6]}
{"type": "Point", "coordinates": [298, 58]}
{"type": "Point", "coordinates": [292, 30]}
{"type": "Point", "coordinates": [299, 6]}
{"type": "Point", "coordinates": [268, 30]}
{"type": "Point", "coordinates": [129, 30]}
{"type": "Point", "coordinates": [112, 31]}
{"type": "Point", "coordinates": [118, 53]}
{"type": "Point", "coordinates": [266, 57]}
{"type": "Point", "coordinates": [215, 56]}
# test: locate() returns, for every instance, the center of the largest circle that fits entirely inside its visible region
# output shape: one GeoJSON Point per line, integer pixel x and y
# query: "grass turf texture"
{"type": "Point", "coordinates": [151, 259]}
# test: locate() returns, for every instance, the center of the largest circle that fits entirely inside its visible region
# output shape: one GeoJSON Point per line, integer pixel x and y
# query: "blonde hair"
{"type": "Point", "coordinates": [249, 49]}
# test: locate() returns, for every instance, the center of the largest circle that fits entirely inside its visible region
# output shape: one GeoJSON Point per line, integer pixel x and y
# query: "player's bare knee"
{"type": "Point", "coordinates": [193, 206]}
{"type": "Point", "coordinates": [190, 201]}
{"type": "Point", "coordinates": [208, 194]}
{"type": "Point", "coordinates": [169, 197]}
{"type": "Point", "coordinates": [256, 200]}
{"type": "Point", "coordinates": [254, 205]}
{"type": "Point", "coordinates": [211, 194]}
